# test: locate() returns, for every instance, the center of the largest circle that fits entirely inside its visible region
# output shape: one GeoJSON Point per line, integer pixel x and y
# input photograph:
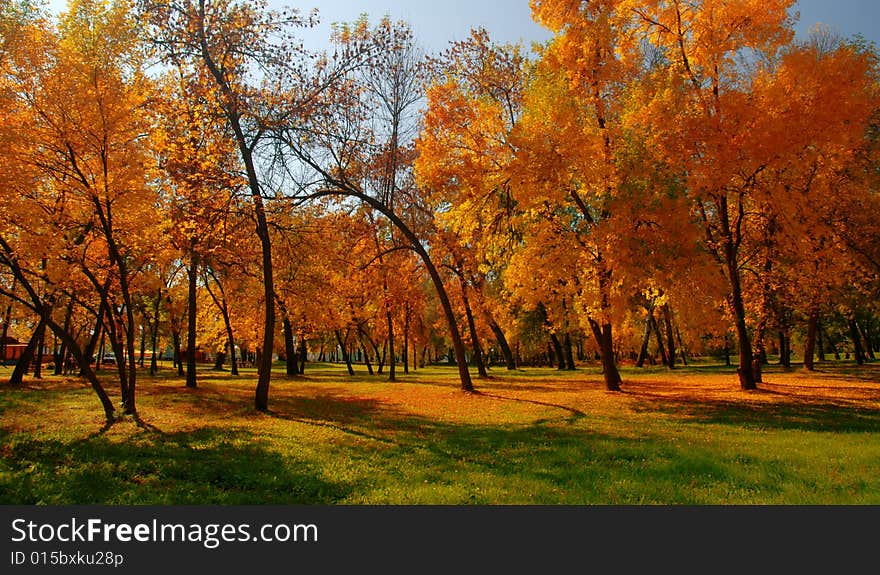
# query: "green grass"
{"type": "Point", "coordinates": [535, 436]}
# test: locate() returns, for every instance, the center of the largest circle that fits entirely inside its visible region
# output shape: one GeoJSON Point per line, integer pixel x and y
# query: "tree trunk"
{"type": "Point", "coordinates": [154, 333]}
{"type": "Point", "coordinates": [646, 339]}
{"type": "Point", "coordinates": [84, 362]}
{"type": "Point", "coordinates": [114, 327]}
{"type": "Point", "coordinates": [810, 340]}
{"type": "Point", "coordinates": [376, 353]}
{"type": "Point", "coordinates": [191, 320]}
{"type": "Point", "coordinates": [747, 380]}
{"type": "Point", "coordinates": [45, 317]}
{"type": "Point", "coordinates": [392, 363]}
{"type": "Point", "coordinates": [406, 314]}
{"type": "Point", "coordinates": [303, 353]}
{"type": "Point", "coordinates": [246, 147]}
{"type": "Point", "coordinates": [557, 352]}
{"type": "Point", "coordinates": [22, 365]}
{"type": "Point", "coordinates": [7, 316]}
{"type": "Point", "coordinates": [365, 350]}
{"type": "Point", "coordinates": [233, 357]}
{"type": "Point", "coordinates": [684, 357]}
{"type": "Point", "coordinates": [655, 327]}
{"type": "Point", "coordinates": [605, 341]}
{"type": "Point", "coordinates": [858, 350]}
{"type": "Point", "coordinates": [220, 302]}
{"type": "Point", "coordinates": [784, 349]}
{"type": "Point", "coordinates": [367, 359]}
{"type": "Point", "coordinates": [101, 349]}
{"type": "Point", "coordinates": [758, 356]}
{"type": "Point", "coordinates": [509, 359]}
{"type": "Point", "coordinates": [142, 352]}
{"type": "Point", "coordinates": [820, 343]}
{"type": "Point", "coordinates": [867, 343]}
{"type": "Point", "coordinates": [568, 353]}
{"type": "Point", "coordinates": [61, 356]}
{"type": "Point", "coordinates": [343, 346]}
{"type": "Point", "coordinates": [41, 345]}
{"type": "Point", "coordinates": [834, 349]}
{"type": "Point", "coordinates": [472, 328]}
{"type": "Point", "coordinates": [98, 335]}
{"type": "Point", "coordinates": [175, 337]}
{"type": "Point", "coordinates": [290, 358]}
{"type": "Point", "coordinates": [670, 337]}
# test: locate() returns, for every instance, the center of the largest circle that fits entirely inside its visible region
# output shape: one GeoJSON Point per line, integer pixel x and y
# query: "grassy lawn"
{"type": "Point", "coordinates": [530, 437]}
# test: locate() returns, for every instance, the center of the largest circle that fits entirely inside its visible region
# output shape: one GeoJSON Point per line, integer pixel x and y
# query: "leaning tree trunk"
{"type": "Point", "coordinates": [343, 346]}
{"type": "Point", "coordinates": [96, 342]}
{"type": "Point", "coordinates": [23, 364]}
{"type": "Point", "coordinates": [509, 359]}
{"type": "Point", "coordinates": [656, 328]}
{"type": "Point", "coordinates": [605, 340]}
{"type": "Point", "coordinates": [858, 351]}
{"type": "Point", "coordinates": [684, 357]}
{"type": "Point", "coordinates": [451, 321]}
{"type": "Point", "coordinates": [73, 346]}
{"type": "Point", "coordinates": [361, 335]}
{"type": "Point", "coordinates": [472, 328]}
{"type": "Point", "coordinates": [84, 362]}
{"type": "Point", "coordinates": [646, 339]}
{"type": "Point", "coordinates": [61, 356]}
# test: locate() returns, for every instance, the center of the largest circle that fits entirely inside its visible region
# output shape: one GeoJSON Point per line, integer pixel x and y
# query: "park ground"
{"type": "Point", "coordinates": [535, 436]}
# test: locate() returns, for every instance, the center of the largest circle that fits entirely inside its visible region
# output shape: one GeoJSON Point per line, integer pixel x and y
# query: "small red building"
{"type": "Point", "coordinates": [12, 349]}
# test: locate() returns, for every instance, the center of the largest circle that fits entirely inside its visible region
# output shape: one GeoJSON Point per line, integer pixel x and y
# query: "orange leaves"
{"type": "Point", "coordinates": [703, 38]}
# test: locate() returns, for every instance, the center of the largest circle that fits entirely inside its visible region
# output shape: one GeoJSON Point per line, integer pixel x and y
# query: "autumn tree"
{"type": "Point", "coordinates": [341, 146]}
{"type": "Point", "coordinates": [227, 42]}
{"type": "Point", "coordinates": [703, 114]}
{"type": "Point", "coordinates": [475, 98]}
{"type": "Point", "coordinates": [571, 141]}
{"type": "Point", "coordinates": [82, 101]}
{"type": "Point", "coordinates": [201, 184]}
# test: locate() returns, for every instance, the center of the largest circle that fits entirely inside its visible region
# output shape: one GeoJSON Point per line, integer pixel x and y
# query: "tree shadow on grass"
{"type": "Point", "coordinates": [423, 460]}
{"type": "Point", "coordinates": [792, 413]}
{"type": "Point", "coordinates": [574, 414]}
{"type": "Point", "coordinates": [390, 455]}
{"type": "Point", "coordinates": [207, 466]}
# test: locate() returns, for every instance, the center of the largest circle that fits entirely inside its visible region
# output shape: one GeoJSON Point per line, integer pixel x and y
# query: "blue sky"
{"type": "Point", "coordinates": [436, 22]}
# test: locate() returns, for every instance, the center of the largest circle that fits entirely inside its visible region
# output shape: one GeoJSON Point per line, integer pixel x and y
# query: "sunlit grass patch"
{"type": "Point", "coordinates": [535, 436]}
